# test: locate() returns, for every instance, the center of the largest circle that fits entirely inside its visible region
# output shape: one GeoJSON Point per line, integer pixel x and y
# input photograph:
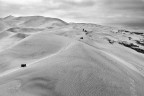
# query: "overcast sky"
{"type": "Point", "coordinates": [96, 11]}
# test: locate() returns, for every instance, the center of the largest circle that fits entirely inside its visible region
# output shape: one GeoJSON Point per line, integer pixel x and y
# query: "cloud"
{"type": "Point", "coordinates": [125, 10]}
{"type": "Point", "coordinates": [95, 11]}
{"type": "Point", "coordinates": [79, 3]}
{"type": "Point", "coordinates": [130, 6]}
{"type": "Point", "coordinates": [44, 6]}
{"type": "Point", "coordinates": [22, 2]}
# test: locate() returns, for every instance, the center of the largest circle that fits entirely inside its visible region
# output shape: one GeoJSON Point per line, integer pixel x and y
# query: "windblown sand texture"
{"type": "Point", "coordinates": [69, 59]}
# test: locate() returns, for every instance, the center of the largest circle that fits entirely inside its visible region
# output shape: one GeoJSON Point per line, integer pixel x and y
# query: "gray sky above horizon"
{"type": "Point", "coordinates": [94, 11]}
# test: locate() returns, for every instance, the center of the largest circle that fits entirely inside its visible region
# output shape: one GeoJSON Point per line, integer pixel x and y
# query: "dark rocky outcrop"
{"type": "Point", "coordinates": [137, 33]}
{"type": "Point", "coordinates": [132, 46]}
{"type": "Point", "coordinates": [140, 42]}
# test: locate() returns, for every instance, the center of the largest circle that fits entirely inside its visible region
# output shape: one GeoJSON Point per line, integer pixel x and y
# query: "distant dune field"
{"type": "Point", "coordinates": [69, 59]}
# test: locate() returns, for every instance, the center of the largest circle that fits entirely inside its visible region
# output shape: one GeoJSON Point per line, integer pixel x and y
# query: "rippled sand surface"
{"type": "Point", "coordinates": [69, 59]}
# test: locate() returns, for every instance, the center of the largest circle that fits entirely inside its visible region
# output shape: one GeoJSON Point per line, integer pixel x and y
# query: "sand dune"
{"type": "Point", "coordinates": [74, 59]}
{"type": "Point", "coordinates": [3, 26]}
{"type": "Point", "coordinates": [9, 39]}
{"type": "Point", "coordinates": [34, 22]}
{"type": "Point", "coordinates": [90, 75]}
{"type": "Point", "coordinates": [25, 50]}
{"type": "Point", "coordinates": [25, 30]}
{"type": "Point", "coordinates": [42, 22]}
{"type": "Point", "coordinates": [5, 34]}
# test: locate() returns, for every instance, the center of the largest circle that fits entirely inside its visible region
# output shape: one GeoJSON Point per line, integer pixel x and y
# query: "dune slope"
{"type": "Point", "coordinates": [74, 59]}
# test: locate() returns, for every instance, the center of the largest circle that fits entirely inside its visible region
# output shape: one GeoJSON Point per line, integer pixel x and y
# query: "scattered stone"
{"type": "Point", "coordinates": [129, 38]}
{"type": "Point", "coordinates": [23, 65]}
{"type": "Point", "coordinates": [81, 37]}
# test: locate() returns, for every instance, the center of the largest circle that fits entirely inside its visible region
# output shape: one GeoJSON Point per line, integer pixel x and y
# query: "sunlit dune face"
{"type": "Point", "coordinates": [75, 59]}
{"type": "Point", "coordinates": [22, 2]}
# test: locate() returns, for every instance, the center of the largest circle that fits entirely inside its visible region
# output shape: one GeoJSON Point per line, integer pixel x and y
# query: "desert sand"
{"type": "Point", "coordinates": [69, 59]}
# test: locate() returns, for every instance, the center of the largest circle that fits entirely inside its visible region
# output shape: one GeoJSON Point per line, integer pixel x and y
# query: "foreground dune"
{"type": "Point", "coordinates": [31, 49]}
{"type": "Point", "coordinates": [72, 60]}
